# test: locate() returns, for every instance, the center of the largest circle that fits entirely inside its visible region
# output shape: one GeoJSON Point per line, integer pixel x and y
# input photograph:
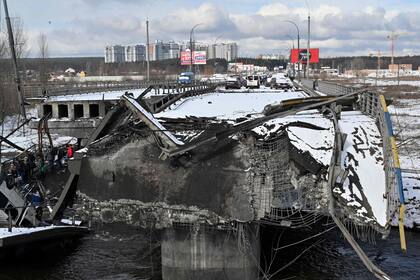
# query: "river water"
{"type": "Point", "coordinates": [122, 252]}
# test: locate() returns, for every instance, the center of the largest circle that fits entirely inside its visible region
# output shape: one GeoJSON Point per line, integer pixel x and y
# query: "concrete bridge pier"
{"type": "Point", "coordinates": [209, 253]}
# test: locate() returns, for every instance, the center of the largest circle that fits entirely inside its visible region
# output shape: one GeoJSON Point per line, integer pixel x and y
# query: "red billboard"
{"type": "Point", "coordinates": [300, 54]}
{"type": "Point", "coordinates": [199, 58]}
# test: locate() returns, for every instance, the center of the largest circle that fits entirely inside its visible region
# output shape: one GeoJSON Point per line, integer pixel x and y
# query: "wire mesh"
{"type": "Point", "coordinates": [283, 194]}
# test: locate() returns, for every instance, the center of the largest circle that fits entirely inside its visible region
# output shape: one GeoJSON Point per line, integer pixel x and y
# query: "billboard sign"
{"type": "Point", "coordinates": [199, 58]}
{"type": "Point", "coordinates": [300, 55]}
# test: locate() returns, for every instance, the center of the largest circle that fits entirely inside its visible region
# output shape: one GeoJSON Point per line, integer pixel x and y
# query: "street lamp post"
{"type": "Point", "coordinates": [192, 48]}
{"type": "Point", "coordinates": [298, 44]}
{"type": "Point", "coordinates": [293, 46]}
{"type": "Point", "coordinates": [308, 51]}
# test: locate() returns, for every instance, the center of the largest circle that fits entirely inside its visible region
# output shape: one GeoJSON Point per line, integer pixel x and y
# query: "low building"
{"type": "Point", "coordinates": [403, 67]}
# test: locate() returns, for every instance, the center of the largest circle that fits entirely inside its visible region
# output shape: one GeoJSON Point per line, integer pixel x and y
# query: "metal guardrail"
{"type": "Point", "coordinates": [178, 93]}
{"type": "Point", "coordinates": [328, 87]}
{"type": "Point", "coordinates": [54, 89]}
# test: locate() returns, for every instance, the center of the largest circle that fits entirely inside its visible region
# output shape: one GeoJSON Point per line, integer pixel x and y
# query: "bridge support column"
{"type": "Point", "coordinates": [209, 253]}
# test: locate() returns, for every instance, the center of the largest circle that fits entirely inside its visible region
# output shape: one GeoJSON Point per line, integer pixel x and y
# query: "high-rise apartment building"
{"type": "Point", "coordinates": [135, 53]}
{"type": "Point", "coordinates": [228, 51]}
{"type": "Point", "coordinates": [160, 50]}
{"type": "Point", "coordinates": [114, 54]}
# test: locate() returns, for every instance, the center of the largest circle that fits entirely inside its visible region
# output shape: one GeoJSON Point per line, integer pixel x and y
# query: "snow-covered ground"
{"type": "Point", "coordinates": [389, 82]}
{"type": "Point", "coordinates": [27, 137]}
{"type": "Point", "coordinates": [107, 95]}
{"type": "Point", "coordinates": [4, 232]}
{"type": "Point", "coordinates": [406, 120]}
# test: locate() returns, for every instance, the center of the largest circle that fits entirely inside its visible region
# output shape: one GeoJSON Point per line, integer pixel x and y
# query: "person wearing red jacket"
{"type": "Point", "coordinates": [70, 151]}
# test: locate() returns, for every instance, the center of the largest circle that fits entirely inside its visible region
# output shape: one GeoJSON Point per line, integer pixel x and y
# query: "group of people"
{"type": "Point", "coordinates": [56, 158]}
{"type": "Point", "coordinates": [29, 166]}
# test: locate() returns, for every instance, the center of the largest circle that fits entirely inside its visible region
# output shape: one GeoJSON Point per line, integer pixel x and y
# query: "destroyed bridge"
{"type": "Point", "coordinates": [208, 166]}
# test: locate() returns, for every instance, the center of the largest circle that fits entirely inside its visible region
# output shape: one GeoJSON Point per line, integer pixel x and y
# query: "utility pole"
{"type": "Point", "coordinates": [14, 60]}
{"type": "Point", "coordinates": [191, 51]}
{"type": "Point", "coordinates": [192, 47]}
{"type": "Point", "coordinates": [378, 67]}
{"type": "Point", "coordinates": [393, 37]}
{"type": "Point", "coordinates": [308, 52]}
{"type": "Point", "coordinates": [298, 44]}
{"type": "Point", "coordinates": [147, 50]}
{"type": "Point", "coordinates": [290, 56]}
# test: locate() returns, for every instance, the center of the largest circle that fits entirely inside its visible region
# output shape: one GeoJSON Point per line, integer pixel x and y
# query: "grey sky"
{"type": "Point", "coordinates": [84, 27]}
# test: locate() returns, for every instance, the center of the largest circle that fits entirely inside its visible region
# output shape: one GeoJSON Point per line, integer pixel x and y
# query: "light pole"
{"type": "Point", "coordinates": [298, 44]}
{"type": "Point", "coordinates": [217, 38]}
{"type": "Point", "coordinates": [293, 46]}
{"type": "Point", "coordinates": [378, 67]}
{"type": "Point", "coordinates": [147, 50]}
{"type": "Point", "coordinates": [308, 51]}
{"type": "Point", "coordinates": [293, 40]}
{"type": "Point", "coordinates": [191, 47]}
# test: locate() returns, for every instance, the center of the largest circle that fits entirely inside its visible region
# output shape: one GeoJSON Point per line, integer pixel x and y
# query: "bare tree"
{"type": "Point", "coordinates": [357, 64]}
{"type": "Point", "coordinates": [21, 39]}
{"type": "Point", "coordinates": [3, 51]}
{"type": "Point", "coordinates": [9, 101]}
{"type": "Point", "coordinates": [3, 48]}
{"type": "Point", "coordinates": [43, 65]}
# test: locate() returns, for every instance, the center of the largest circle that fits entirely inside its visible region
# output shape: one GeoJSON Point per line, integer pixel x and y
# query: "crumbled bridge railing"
{"type": "Point", "coordinates": [369, 103]}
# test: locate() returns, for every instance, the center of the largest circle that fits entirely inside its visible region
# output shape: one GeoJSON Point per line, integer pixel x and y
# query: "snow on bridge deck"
{"type": "Point", "coordinates": [363, 192]}
{"type": "Point", "coordinates": [228, 106]}
{"type": "Point", "coordinates": [94, 96]}
{"type": "Point", "coordinates": [365, 187]}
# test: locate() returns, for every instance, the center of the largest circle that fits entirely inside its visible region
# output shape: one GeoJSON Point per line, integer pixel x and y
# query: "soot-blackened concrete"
{"type": "Point", "coordinates": [218, 183]}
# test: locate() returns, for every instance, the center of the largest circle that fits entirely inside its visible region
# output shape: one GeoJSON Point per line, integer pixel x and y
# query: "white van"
{"type": "Point", "coordinates": [253, 81]}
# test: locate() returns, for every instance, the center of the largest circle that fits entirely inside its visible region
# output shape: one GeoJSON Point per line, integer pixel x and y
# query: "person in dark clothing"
{"type": "Point", "coordinates": [61, 154]}
{"type": "Point", "coordinates": [26, 171]}
{"type": "Point", "coordinates": [49, 160]}
{"type": "Point", "coordinates": [54, 158]}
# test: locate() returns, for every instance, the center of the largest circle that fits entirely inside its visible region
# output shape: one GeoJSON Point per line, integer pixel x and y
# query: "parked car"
{"type": "Point", "coordinates": [233, 82]}
{"type": "Point", "coordinates": [280, 81]}
{"type": "Point", "coordinates": [253, 81]}
{"type": "Point", "coordinates": [186, 78]}
{"type": "Point", "coordinates": [215, 79]}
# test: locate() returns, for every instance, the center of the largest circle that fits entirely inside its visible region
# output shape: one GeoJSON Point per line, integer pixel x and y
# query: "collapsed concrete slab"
{"type": "Point", "coordinates": [202, 163]}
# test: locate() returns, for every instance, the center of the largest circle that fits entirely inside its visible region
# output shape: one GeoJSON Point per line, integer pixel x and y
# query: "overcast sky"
{"type": "Point", "coordinates": [356, 27]}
